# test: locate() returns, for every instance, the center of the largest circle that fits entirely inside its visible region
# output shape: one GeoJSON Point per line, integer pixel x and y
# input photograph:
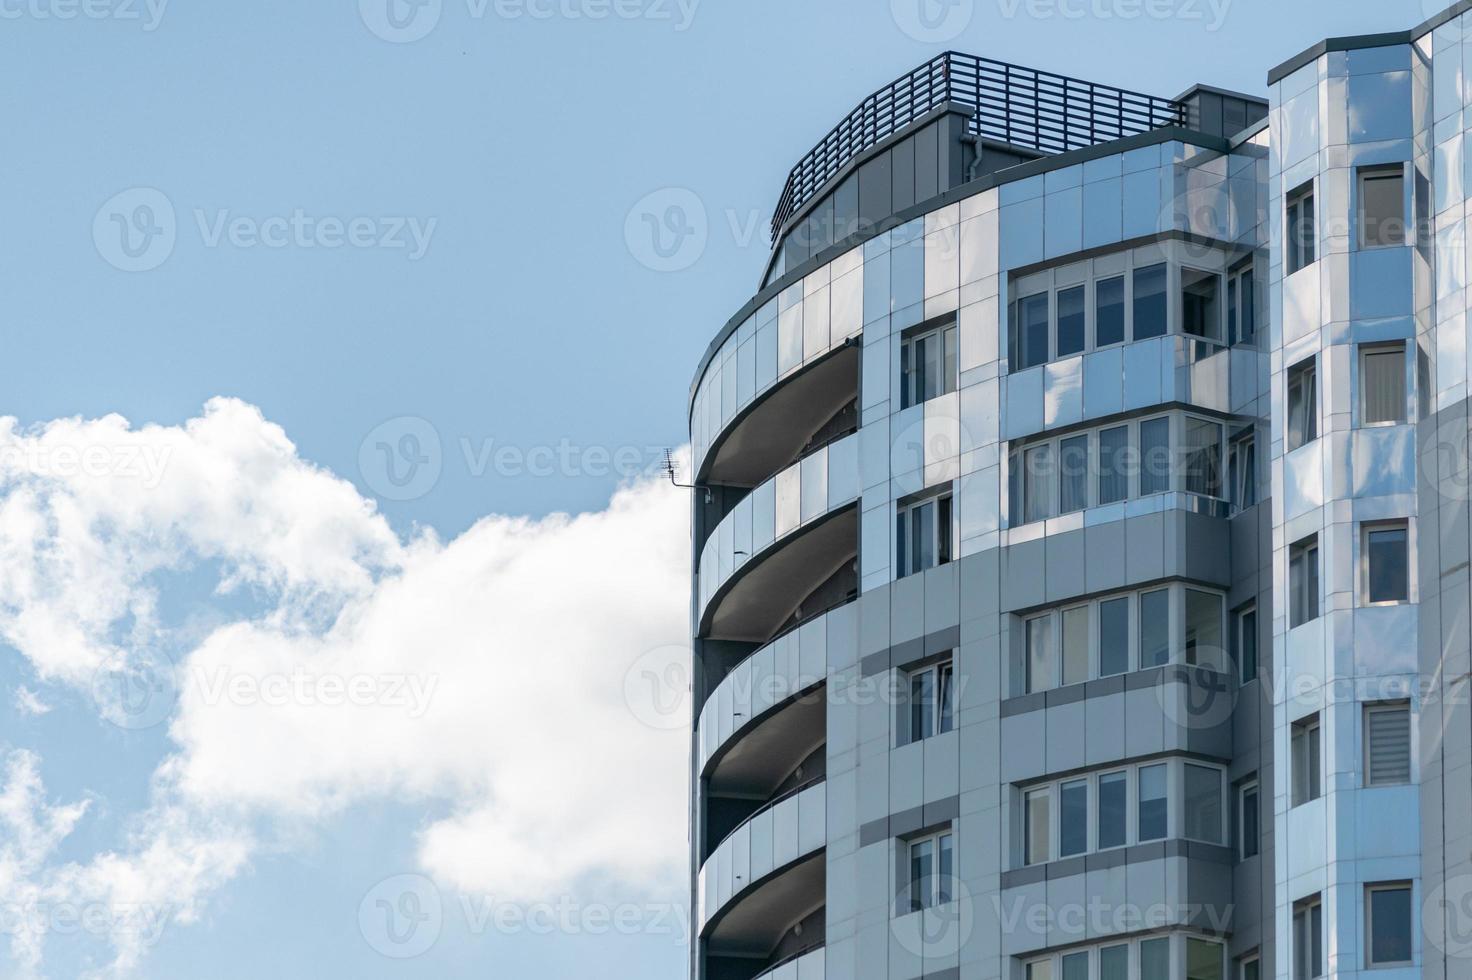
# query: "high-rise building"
{"type": "Point", "coordinates": [1083, 559]}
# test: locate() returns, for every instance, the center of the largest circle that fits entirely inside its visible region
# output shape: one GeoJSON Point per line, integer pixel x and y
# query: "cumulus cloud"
{"type": "Point", "coordinates": [485, 674]}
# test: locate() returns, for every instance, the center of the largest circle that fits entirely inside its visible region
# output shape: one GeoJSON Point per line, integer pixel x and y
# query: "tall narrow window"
{"type": "Point", "coordinates": [931, 695]}
{"type": "Point", "coordinates": [1030, 332]}
{"type": "Point", "coordinates": [1205, 960]}
{"type": "Point", "coordinates": [1204, 646]}
{"type": "Point", "coordinates": [1386, 563]}
{"type": "Point", "coordinates": [1251, 969]}
{"type": "Point", "coordinates": [1075, 645]}
{"type": "Point", "coordinates": [1200, 306]}
{"type": "Point", "coordinates": [1382, 207]}
{"type": "Point", "coordinates": [1306, 760]}
{"type": "Point", "coordinates": [1113, 809]}
{"type": "Point", "coordinates": [1109, 311]}
{"type": "Point", "coordinates": [932, 866]}
{"type": "Point", "coordinates": [1155, 959]}
{"type": "Point", "coordinates": [1300, 236]}
{"type": "Point", "coordinates": [1037, 483]}
{"type": "Point", "coordinates": [1114, 477]}
{"type": "Point", "coordinates": [1071, 334]}
{"type": "Point", "coordinates": [1073, 474]}
{"type": "Point", "coordinates": [1242, 470]}
{"type": "Point", "coordinates": [1203, 811]}
{"type": "Point", "coordinates": [923, 535]}
{"type": "Point", "coordinates": [1114, 962]}
{"type": "Point", "coordinates": [1308, 939]}
{"type": "Point", "coordinates": [1114, 636]}
{"type": "Point", "coordinates": [1037, 824]}
{"type": "Point", "coordinates": [1154, 628]}
{"type": "Point", "coordinates": [1247, 643]}
{"type": "Point", "coordinates": [1383, 385]}
{"type": "Point", "coordinates": [1038, 640]}
{"type": "Point", "coordinates": [1388, 929]}
{"type": "Point", "coordinates": [1303, 582]}
{"type": "Point", "coordinates": [1150, 313]}
{"type": "Point", "coordinates": [1154, 456]}
{"type": "Point", "coordinates": [1073, 818]}
{"type": "Point", "coordinates": [1241, 306]}
{"type": "Point", "coordinates": [1249, 821]}
{"type": "Point", "coordinates": [927, 365]}
{"type": "Point", "coordinates": [1152, 821]}
{"type": "Point", "coordinates": [1203, 457]}
{"type": "Point", "coordinates": [1074, 966]}
{"type": "Point", "coordinates": [1040, 970]}
{"type": "Point", "coordinates": [1387, 744]}
{"type": "Point", "coordinates": [1303, 404]}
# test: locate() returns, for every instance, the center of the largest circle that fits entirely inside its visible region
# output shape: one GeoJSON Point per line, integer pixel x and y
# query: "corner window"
{"type": "Point", "coordinates": [1204, 819]}
{"type": "Point", "coordinates": [1154, 805]}
{"type": "Point", "coordinates": [1247, 643]}
{"type": "Point", "coordinates": [1308, 939]}
{"type": "Point", "coordinates": [1241, 306]}
{"type": "Point", "coordinates": [1388, 924]}
{"type": "Point", "coordinates": [1303, 404]}
{"type": "Point", "coordinates": [1307, 761]}
{"type": "Point", "coordinates": [1383, 384]}
{"type": "Point", "coordinates": [1300, 235]}
{"type": "Point", "coordinates": [1150, 313]}
{"type": "Point", "coordinates": [1204, 630]}
{"type": "Point", "coordinates": [1030, 332]}
{"type": "Point", "coordinates": [1201, 314]}
{"type": "Point", "coordinates": [1155, 461]}
{"type": "Point", "coordinates": [1242, 470]}
{"type": "Point", "coordinates": [927, 364]}
{"type": "Point", "coordinates": [923, 535]}
{"type": "Point", "coordinates": [932, 701]}
{"type": "Point", "coordinates": [1384, 549]}
{"type": "Point", "coordinates": [1249, 820]}
{"type": "Point", "coordinates": [1303, 582]}
{"type": "Point", "coordinates": [1205, 959]}
{"type": "Point", "coordinates": [932, 870]}
{"type": "Point", "coordinates": [1382, 209]}
{"type": "Point", "coordinates": [1203, 457]}
{"type": "Point", "coordinates": [1387, 744]}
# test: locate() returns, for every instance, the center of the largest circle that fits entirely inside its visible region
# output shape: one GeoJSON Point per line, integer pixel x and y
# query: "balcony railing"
{"type": "Point", "coordinates": [1025, 107]}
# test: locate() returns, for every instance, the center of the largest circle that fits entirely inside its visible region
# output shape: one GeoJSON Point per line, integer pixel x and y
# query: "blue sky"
{"type": "Point", "coordinates": [426, 261]}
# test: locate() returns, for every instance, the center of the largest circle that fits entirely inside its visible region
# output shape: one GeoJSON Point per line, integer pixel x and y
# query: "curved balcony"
{"type": "Point", "coordinates": [771, 679]}
{"type": "Point", "coordinates": [767, 875]}
{"type": "Point", "coordinates": [790, 545]}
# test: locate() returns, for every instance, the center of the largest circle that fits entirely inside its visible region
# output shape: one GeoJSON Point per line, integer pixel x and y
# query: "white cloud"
{"type": "Point", "coordinates": [486, 673]}
{"type": "Point", "coordinates": [29, 703]}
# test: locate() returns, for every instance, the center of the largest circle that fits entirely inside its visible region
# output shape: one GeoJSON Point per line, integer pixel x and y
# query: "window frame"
{"type": "Point", "coordinates": [1305, 787]}
{"type": "Point", "coordinates": [1240, 633]}
{"type": "Point", "coordinates": [1311, 910]}
{"type": "Point", "coordinates": [1304, 608]}
{"type": "Point", "coordinates": [1241, 304]}
{"type": "Point", "coordinates": [1364, 175]}
{"type": "Point", "coordinates": [943, 531]}
{"type": "Point", "coordinates": [1242, 479]}
{"type": "Point", "coordinates": [943, 686]}
{"type": "Point", "coordinates": [1363, 354]}
{"type": "Point", "coordinates": [1367, 529]}
{"type": "Point", "coordinates": [1387, 886]}
{"type": "Point", "coordinates": [1368, 780]}
{"type": "Point", "coordinates": [1253, 788]}
{"type": "Point", "coordinates": [1215, 332]}
{"type": "Point", "coordinates": [932, 898]}
{"type": "Point", "coordinates": [943, 332]}
{"type": "Point", "coordinates": [1295, 377]}
{"type": "Point", "coordinates": [1300, 249]}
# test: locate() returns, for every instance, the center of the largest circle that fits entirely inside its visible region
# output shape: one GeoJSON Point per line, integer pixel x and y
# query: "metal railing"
{"type": "Point", "coordinates": [1037, 110]}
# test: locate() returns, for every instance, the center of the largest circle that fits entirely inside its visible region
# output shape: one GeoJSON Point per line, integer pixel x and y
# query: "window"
{"type": "Point", "coordinates": [1037, 823]}
{"type": "Point", "coordinates": [1383, 385]}
{"type": "Point", "coordinates": [1154, 628]}
{"type": "Point", "coordinates": [927, 364]}
{"type": "Point", "coordinates": [932, 867]}
{"type": "Point", "coordinates": [1241, 306]}
{"type": "Point", "coordinates": [1071, 335]}
{"type": "Point", "coordinates": [1073, 474]}
{"type": "Point", "coordinates": [923, 534]}
{"type": "Point", "coordinates": [1303, 582]}
{"type": "Point", "coordinates": [1387, 744]}
{"type": "Point", "coordinates": [1247, 643]}
{"type": "Point", "coordinates": [1251, 969]}
{"type": "Point", "coordinates": [1204, 646]}
{"type": "Point", "coordinates": [1037, 483]}
{"type": "Point", "coordinates": [1308, 939]}
{"type": "Point", "coordinates": [932, 701]}
{"type": "Point", "coordinates": [1030, 335]}
{"type": "Point", "coordinates": [1303, 404]}
{"type": "Point", "coordinates": [1242, 471]}
{"type": "Point", "coordinates": [1038, 638]}
{"type": "Point", "coordinates": [1154, 805]}
{"type": "Point", "coordinates": [1075, 966]}
{"type": "Point", "coordinates": [1203, 457]}
{"type": "Point", "coordinates": [1040, 970]}
{"type": "Point", "coordinates": [1300, 235]}
{"type": "Point", "coordinates": [1388, 924]}
{"type": "Point", "coordinates": [1154, 456]}
{"type": "Point", "coordinates": [1076, 639]}
{"type": "Point", "coordinates": [1114, 477]}
{"type": "Point", "coordinates": [1073, 818]}
{"type": "Point", "coordinates": [1306, 761]}
{"type": "Point", "coordinates": [1204, 959]}
{"type": "Point", "coordinates": [1150, 318]}
{"type": "Point", "coordinates": [1385, 562]}
{"type": "Point", "coordinates": [1200, 307]}
{"type": "Point", "coordinates": [1113, 807]}
{"type": "Point", "coordinates": [1249, 819]}
{"type": "Point", "coordinates": [1109, 311]}
{"type": "Point", "coordinates": [1382, 210]}
{"type": "Point", "coordinates": [1155, 959]}
{"type": "Point", "coordinates": [1204, 820]}
{"type": "Point", "coordinates": [1114, 962]}
{"type": "Point", "coordinates": [1114, 636]}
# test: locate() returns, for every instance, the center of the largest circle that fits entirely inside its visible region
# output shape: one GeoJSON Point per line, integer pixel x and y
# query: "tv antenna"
{"type": "Point", "coordinates": [669, 468]}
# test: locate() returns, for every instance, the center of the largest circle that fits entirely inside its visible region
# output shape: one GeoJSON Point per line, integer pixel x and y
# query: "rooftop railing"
{"type": "Point", "coordinates": [1037, 110]}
